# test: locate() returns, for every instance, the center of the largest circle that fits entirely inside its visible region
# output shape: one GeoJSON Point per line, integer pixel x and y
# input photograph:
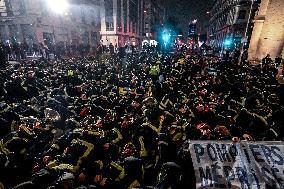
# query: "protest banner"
{"type": "Point", "coordinates": [245, 165]}
{"type": "Point", "coordinates": [266, 160]}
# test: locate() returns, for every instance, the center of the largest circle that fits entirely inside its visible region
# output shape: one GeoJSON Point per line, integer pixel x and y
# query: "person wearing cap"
{"type": "Point", "coordinates": [16, 147]}
{"type": "Point", "coordinates": [14, 89]}
{"type": "Point", "coordinates": [112, 175]}
{"type": "Point", "coordinates": [134, 172]}
{"type": "Point", "coordinates": [222, 133]}
{"type": "Point", "coordinates": [145, 136]}
{"type": "Point", "coordinates": [33, 84]}
{"type": "Point", "coordinates": [3, 57]}
{"type": "Point", "coordinates": [167, 103]}
{"type": "Point", "coordinates": [176, 130]}
{"type": "Point", "coordinates": [73, 157]}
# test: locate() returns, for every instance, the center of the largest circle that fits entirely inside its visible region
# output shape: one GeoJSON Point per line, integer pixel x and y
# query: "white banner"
{"type": "Point", "coordinates": [245, 165]}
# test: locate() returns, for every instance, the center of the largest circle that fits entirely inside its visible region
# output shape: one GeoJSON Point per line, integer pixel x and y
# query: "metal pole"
{"type": "Point", "coordinates": [246, 31]}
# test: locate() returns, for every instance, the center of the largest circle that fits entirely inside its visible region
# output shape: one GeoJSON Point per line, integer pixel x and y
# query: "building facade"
{"type": "Point", "coordinates": [32, 21]}
{"type": "Point", "coordinates": [129, 21]}
{"type": "Point", "coordinates": [153, 19]}
{"type": "Point", "coordinates": [268, 32]}
{"type": "Point", "coordinates": [87, 22]}
{"type": "Point", "coordinates": [228, 25]}
{"type": "Point", "coordinates": [120, 22]}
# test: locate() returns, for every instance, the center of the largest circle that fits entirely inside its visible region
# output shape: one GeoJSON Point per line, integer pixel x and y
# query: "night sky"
{"type": "Point", "coordinates": [186, 10]}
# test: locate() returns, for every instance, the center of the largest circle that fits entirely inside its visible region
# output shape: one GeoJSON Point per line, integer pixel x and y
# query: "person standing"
{"type": "Point", "coordinates": [25, 49]}
{"type": "Point", "coordinates": [99, 49]}
{"type": "Point", "coordinates": [3, 56]}
{"type": "Point", "coordinates": [244, 56]}
{"type": "Point", "coordinates": [278, 60]}
{"type": "Point", "coordinates": [111, 48]}
{"type": "Point", "coordinates": [267, 60]}
{"type": "Point", "coordinates": [8, 49]}
{"type": "Point", "coordinates": [18, 50]}
{"type": "Point", "coordinates": [35, 49]}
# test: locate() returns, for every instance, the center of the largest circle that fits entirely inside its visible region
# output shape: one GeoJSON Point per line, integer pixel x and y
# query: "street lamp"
{"type": "Point", "coordinates": [58, 6]}
{"type": "Point", "coordinates": [228, 42]}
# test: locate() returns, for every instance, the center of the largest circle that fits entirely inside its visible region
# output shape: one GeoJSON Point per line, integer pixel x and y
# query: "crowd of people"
{"type": "Point", "coordinates": [124, 123]}
{"type": "Point", "coordinates": [16, 51]}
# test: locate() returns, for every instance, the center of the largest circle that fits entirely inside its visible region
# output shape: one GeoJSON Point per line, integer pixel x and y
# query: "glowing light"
{"type": "Point", "coordinates": [194, 21]}
{"type": "Point", "coordinates": [166, 37]}
{"type": "Point", "coordinates": [58, 6]}
{"type": "Point", "coordinates": [228, 42]}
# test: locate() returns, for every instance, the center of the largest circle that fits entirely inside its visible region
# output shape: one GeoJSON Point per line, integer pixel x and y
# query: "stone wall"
{"type": "Point", "coordinates": [268, 31]}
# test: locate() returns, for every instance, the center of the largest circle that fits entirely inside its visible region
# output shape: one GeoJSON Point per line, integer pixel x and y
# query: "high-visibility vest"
{"type": "Point", "coordinates": [134, 184]}
{"type": "Point", "coordinates": [73, 168]}
{"type": "Point", "coordinates": [4, 145]}
{"type": "Point", "coordinates": [121, 169]}
{"type": "Point", "coordinates": [119, 136]}
{"type": "Point", "coordinates": [121, 91]}
{"type": "Point", "coordinates": [181, 61]}
{"type": "Point", "coordinates": [70, 73]}
{"type": "Point", "coordinates": [153, 70]}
